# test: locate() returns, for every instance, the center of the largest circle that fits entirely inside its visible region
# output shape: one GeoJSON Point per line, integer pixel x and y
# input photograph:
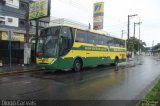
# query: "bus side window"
{"type": "Point", "coordinates": [66, 40]}
{"type": "Point", "coordinates": [81, 36]}
{"type": "Point", "coordinates": [92, 38]}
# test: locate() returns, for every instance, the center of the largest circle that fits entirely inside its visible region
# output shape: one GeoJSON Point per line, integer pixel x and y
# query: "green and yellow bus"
{"type": "Point", "coordinates": [65, 46]}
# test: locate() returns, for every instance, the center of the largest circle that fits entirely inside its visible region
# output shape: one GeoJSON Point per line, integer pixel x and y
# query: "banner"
{"type": "Point", "coordinates": [39, 9]}
{"type": "Point", "coordinates": [14, 37]}
{"type": "Point", "coordinates": [18, 37]}
{"type": "Point", "coordinates": [5, 36]}
{"type": "Point", "coordinates": [98, 15]}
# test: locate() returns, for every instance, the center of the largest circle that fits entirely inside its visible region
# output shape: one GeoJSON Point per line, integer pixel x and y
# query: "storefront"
{"type": "Point", "coordinates": [17, 47]}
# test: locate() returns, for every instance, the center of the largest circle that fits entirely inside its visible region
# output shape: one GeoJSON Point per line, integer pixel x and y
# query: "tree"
{"type": "Point", "coordinates": [134, 44]}
{"type": "Point", "coordinates": [156, 47]}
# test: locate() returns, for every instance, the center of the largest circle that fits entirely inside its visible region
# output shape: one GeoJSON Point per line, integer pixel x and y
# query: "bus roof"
{"type": "Point", "coordinates": [85, 29]}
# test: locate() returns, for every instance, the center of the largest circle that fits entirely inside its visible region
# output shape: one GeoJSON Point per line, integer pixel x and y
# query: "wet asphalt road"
{"type": "Point", "coordinates": [131, 82]}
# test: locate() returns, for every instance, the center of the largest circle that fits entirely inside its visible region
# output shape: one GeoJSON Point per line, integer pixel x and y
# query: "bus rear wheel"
{"type": "Point", "coordinates": [77, 65]}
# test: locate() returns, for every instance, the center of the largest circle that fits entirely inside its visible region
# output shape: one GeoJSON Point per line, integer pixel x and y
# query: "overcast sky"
{"type": "Point", "coordinates": [115, 15]}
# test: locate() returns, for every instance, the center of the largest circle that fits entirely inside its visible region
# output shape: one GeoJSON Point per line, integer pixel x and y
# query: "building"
{"type": "Point", "coordinates": [13, 15]}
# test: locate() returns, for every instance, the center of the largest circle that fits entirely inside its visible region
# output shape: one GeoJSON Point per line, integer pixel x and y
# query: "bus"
{"type": "Point", "coordinates": [66, 46]}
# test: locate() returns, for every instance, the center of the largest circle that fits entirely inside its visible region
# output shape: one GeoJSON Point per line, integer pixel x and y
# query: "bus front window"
{"type": "Point", "coordinates": [50, 46]}
{"type": "Point", "coordinates": [48, 42]}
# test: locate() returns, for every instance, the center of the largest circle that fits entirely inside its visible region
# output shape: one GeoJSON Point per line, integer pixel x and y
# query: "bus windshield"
{"type": "Point", "coordinates": [47, 45]}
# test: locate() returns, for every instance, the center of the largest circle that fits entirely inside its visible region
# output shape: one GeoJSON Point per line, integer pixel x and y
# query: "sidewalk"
{"type": "Point", "coordinates": [6, 69]}
{"type": "Point", "coordinates": [131, 62]}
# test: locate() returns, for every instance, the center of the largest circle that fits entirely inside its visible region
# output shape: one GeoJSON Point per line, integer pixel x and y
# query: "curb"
{"type": "Point", "coordinates": [18, 72]}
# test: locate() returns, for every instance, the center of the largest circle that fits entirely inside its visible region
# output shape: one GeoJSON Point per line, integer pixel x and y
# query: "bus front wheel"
{"type": "Point", "coordinates": [77, 65]}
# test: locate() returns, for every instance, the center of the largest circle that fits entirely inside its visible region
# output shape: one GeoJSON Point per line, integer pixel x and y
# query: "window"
{"type": "Point", "coordinates": [66, 40]}
{"type": "Point", "coordinates": [3, 2]}
{"type": "Point", "coordinates": [66, 32]}
{"type": "Point", "coordinates": [119, 43]}
{"type": "Point", "coordinates": [2, 17]}
{"type": "Point", "coordinates": [116, 42]}
{"type": "Point", "coordinates": [102, 40]}
{"type": "Point", "coordinates": [2, 23]}
{"type": "Point", "coordinates": [81, 36]}
{"type": "Point", "coordinates": [43, 24]}
{"type": "Point", "coordinates": [23, 6]}
{"type": "Point", "coordinates": [92, 38]}
{"type": "Point", "coordinates": [10, 20]}
{"type": "Point", "coordinates": [110, 41]}
{"type": "Point", "coordinates": [21, 23]}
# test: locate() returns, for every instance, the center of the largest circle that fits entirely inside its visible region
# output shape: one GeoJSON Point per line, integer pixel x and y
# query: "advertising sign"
{"type": "Point", "coordinates": [39, 9]}
{"type": "Point", "coordinates": [98, 15]}
{"type": "Point", "coordinates": [5, 36]}
{"type": "Point", "coordinates": [14, 37]}
{"type": "Point", "coordinates": [18, 37]}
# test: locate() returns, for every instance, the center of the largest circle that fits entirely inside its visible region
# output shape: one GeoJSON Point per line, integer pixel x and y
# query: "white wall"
{"type": "Point", "coordinates": [11, 21]}
{"type": "Point", "coordinates": [12, 3]}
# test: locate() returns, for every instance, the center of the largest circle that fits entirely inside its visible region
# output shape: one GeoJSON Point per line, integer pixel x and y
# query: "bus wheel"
{"type": "Point", "coordinates": [77, 65]}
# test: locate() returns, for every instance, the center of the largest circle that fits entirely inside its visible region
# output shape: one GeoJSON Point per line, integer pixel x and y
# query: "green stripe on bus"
{"type": "Point", "coordinates": [92, 48]}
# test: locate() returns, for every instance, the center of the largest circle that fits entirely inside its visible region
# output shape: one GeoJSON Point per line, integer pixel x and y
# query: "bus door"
{"type": "Point", "coordinates": [65, 45]}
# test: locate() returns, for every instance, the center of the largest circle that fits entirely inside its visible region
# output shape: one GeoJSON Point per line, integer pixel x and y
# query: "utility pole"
{"type": "Point", "coordinates": [139, 35]}
{"type": "Point", "coordinates": [122, 33]}
{"type": "Point", "coordinates": [10, 49]}
{"type": "Point", "coordinates": [134, 29]}
{"type": "Point", "coordinates": [89, 26]}
{"type": "Point", "coordinates": [152, 46]}
{"type": "Point", "coordinates": [27, 22]}
{"type": "Point", "coordinates": [138, 23]}
{"type": "Point", "coordinates": [129, 27]}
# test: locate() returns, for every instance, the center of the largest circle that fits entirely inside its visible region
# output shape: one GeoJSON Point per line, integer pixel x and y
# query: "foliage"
{"type": "Point", "coordinates": [134, 44]}
{"type": "Point", "coordinates": [153, 97]}
{"type": "Point", "coordinates": [156, 47]}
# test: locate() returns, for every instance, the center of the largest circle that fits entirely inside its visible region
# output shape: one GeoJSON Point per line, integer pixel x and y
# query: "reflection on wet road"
{"type": "Point", "coordinates": [100, 83]}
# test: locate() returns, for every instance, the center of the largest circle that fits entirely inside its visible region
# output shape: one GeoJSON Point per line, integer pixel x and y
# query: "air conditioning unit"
{"type": "Point", "coordinates": [2, 18]}
{"type": "Point", "coordinates": [11, 21]}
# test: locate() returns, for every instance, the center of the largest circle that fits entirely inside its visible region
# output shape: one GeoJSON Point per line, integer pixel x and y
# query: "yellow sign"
{"type": "Point", "coordinates": [14, 37]}
{"type": "Point", "coordinates": [5, 36]}
{"type": "Point", "coordinates": [39, 9]}
{"type": "Point", "coordinates": [98, 15]}
{"type": "Point", "coordinates": [98, 7]}
{"type": "Point", "coordinates": [18, 37]}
